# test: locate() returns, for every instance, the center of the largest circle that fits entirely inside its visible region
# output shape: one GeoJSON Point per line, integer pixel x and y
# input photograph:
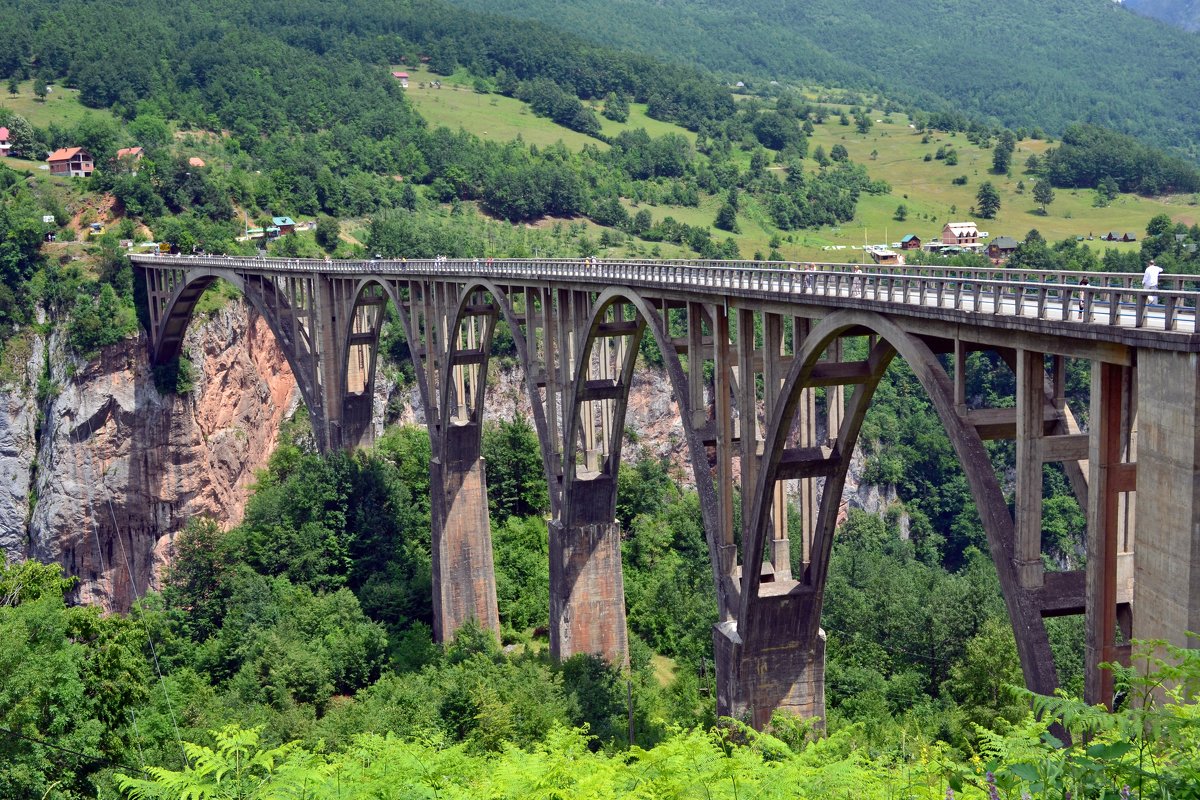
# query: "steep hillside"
{"type": "Point", "coordinates": [1022, 62]}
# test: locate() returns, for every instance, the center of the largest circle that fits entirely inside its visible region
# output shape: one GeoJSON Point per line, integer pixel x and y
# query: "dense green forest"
{"type": "Point", "coordinates": [1019, 63]}
{"type": "Point", "coordinates": [294, 651]}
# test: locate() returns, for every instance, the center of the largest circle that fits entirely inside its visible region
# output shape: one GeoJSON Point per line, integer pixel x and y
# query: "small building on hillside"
{"type": "Point", "coordinates": [198, 163]}
{"type": "Point", "coordinates": [128, 157]}
{"type": "Point", "coordinates": [74, 162]}
{"type": "Point", "coordinates": [1129, 237]}
{"type": "Point", "coordinates": [960, 233]}
{"type": "Point", "coordinates": [910, 242]}
{"type": "Point", "coordinates": [402, 77]}
{"type": "Point", "coordinates": [5, 144]}
{"type": "Point", "coordinates": [285, 225]}
{"type": "Point", "coordinates": [1001, 247]}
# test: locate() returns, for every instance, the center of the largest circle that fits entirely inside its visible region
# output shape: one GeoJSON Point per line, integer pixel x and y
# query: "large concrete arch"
{"type": "Point", "coordinates": [795, 613]}
{"type": "Point", "coordinates": [166, 343]}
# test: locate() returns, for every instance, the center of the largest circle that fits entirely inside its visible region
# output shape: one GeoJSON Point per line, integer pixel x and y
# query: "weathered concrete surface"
{"type": "Point", "coordinates": [122, 468]}
{"type": "Point", "coordinates": [771, 673]}
{"type": "Point", "coordinates": [587, 592]}
{"type": "Point", "coordinates": [464, 578]}
{"type": "Point", "coordinates": [1166, 593]}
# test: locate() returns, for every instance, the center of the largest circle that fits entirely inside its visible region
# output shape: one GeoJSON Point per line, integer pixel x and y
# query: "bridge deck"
{"type": "Point", "coordinates": [1112, 308]}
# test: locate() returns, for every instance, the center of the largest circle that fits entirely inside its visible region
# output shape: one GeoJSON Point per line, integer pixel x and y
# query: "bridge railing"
{"type": "Point", "coordinates": [1114, 299]}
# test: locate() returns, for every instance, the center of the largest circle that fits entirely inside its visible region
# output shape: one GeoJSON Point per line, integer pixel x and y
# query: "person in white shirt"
{"type": "Point", "coordinates": [1150, 280]}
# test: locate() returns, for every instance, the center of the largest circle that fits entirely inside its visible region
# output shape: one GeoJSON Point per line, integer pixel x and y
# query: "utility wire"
{"type": "Point", "coordinates": [892, 650]}
{"type": "Point", "coordinates": [93, 758]}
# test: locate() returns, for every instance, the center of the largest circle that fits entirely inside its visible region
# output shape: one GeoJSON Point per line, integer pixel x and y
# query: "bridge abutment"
{"type": "Point", "coordinates": [587, 592]}
{"type": "Point", "coordinates": [464, 578]}
{"type": "Point", "coordinates": [1166, 594]}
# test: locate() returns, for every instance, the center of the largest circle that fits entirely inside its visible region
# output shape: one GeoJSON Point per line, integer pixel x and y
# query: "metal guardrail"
{"type": "Point", "coordinates": [1109, 299]}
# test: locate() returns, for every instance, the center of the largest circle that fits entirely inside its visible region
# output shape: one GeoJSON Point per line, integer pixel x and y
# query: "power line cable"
{"type": "Point", "coordinates": [93, 758]}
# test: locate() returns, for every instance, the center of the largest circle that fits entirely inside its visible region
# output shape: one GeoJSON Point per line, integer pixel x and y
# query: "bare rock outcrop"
{"type": "Point", "coordinates": [18, 451]}
{"type": "Point", "coordinates": [122, 467]}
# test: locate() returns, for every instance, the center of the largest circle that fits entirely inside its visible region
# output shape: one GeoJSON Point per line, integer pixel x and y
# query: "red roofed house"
{"type": "Point", "coordinates": [5, 145]}
{"type": "Point", "coordinates": [402, 77]}
{"type": "Point", "coordinates": [128, 157]}
{"type": "Point", "coordinates": [73, 161]}
{"type": "Point", "coordinates": [196, 162]}
{"type": "Point", "coordinates": [960, 233]}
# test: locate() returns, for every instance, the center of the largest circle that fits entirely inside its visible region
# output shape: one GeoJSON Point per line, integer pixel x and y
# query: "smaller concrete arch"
{"type": "Point", "coordinates": [657, 325]}
{"type": "Point", "coordinates": [467, 357]}
{"type": "Point", "coordinates": [503, 299]}
{"type": "Point", "coordinates": [359, 361]}
{"type": "Point", "coordinates": [603, 373]}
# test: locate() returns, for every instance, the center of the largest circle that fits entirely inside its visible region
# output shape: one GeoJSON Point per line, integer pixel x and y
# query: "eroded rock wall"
{"type": "Point", "coordinates": [122, 467]}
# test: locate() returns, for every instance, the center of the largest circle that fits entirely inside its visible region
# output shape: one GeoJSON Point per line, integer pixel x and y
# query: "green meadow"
{"type": "Point", "coordinates": [62, 106]}
{"type": "Point", "coordinates": [891, 150]}
{"type": "Point", "coordinates": [488, 116]}
{"type": "Point", "coordinates": [894, 152]}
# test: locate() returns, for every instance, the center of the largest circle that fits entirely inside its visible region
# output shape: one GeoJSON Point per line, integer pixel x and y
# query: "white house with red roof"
{"type": "Point", "coordinates": [74, 162]}
{"type": "Point", "coordinates": [5, 144]}
{"type": "Point", "coordinates": [402, 77]}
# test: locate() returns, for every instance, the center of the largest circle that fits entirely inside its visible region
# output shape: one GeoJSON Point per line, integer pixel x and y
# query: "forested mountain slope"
{"type": "Point", "coordinates": [1023, 62]}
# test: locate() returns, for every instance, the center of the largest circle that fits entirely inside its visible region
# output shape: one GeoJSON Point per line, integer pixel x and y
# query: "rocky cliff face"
{"type": "Point", "coordinates": [121, 468]}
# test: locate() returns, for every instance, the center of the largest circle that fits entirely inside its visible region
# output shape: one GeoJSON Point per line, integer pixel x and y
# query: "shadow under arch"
{"type": "Point", "coordinates": [361, 333]}
{"type": "Point", "coordinates": [756, 614]}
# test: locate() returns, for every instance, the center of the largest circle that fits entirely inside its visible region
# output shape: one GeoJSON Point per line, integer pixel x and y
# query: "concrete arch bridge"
{"type": "Point", "coordinates": [750, 417]}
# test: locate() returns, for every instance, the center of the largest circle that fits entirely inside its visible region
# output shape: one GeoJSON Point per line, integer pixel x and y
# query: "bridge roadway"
{"type": "Point", "coordinates": [753, 425]}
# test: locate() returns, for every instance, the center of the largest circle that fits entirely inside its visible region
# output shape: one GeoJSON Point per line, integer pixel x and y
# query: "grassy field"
{"type": "Point", "coordinates": [62, 106]}
{"type": "Point", "coordinates": [493, 116]}
{"type": "Point", "coordinates": [891, 151]}
{"type": "Point", "coordinates": [489, 116]}
{"type": "Point", "coordinates": [932, 199]}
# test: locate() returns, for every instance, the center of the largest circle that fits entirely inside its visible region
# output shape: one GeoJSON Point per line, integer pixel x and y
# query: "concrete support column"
{"type": "Point", "coordinates": [1166, 593]}
{"type": "Point", "coordinates": [1106, 481]}
{"type": "Point", "coordinates": [1031, 382]}
{"type": "Point", "coordinates": [778, 669]}
{"type": "Point", "coordinates": [587, 592]}
{"type": "Point", "coordinates": [464, 578]}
